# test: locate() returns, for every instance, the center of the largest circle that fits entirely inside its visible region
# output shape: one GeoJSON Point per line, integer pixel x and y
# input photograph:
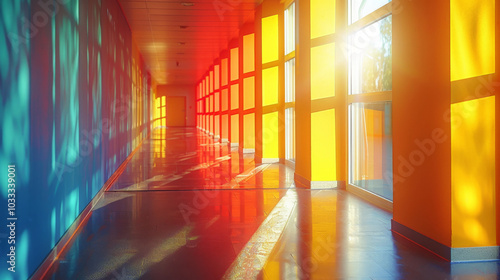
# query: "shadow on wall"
{"type": "Point", "coordinates": [74, 104]}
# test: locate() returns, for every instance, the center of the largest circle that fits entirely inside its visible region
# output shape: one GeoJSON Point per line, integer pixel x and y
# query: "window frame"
{"type": "Point", "coordinates": [361, 98]}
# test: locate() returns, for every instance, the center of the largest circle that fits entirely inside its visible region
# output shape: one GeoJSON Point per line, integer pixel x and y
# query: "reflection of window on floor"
{"type": "Point", "coordinates": [290, 82]}
{"type": "Point", "coordinates": [160, 111]}
{"type": "Point", "coordinates": [370, 117]}
{"type": "Point", "coordinates": [159, 135]}
{"type": "Point", "coordinates": [163, 110]}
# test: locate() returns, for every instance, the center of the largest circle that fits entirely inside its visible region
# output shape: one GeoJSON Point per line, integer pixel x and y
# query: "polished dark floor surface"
{"type": "Point", "coordinates": [187, 207]}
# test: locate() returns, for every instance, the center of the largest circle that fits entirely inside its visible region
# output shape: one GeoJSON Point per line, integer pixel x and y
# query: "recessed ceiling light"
{"type": "Point", "coordinates": [187, 4]}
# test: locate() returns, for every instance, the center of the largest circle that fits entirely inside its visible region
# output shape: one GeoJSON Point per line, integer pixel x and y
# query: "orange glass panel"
{"type": "Point", "coordinates": [217, 101]}
{"type": "Point", "coordinates": [216, 77]}
{"type": "Point", "coordinates": [211, 81]}
{"type": "Point", "coordinates": [235, 126]}
{"type": "Point", "coordinates": [224, 72]}
{"type": "Point", "coordinates": [234, 64]}
{"type": "Point", "coordinates": [234, 97]}
{"type": "Point", "coordinates": [248, 53]}
{"type": "Point", "coordinates": [224, 126]}
{"type": "Point", "coordinates": [248, 93]}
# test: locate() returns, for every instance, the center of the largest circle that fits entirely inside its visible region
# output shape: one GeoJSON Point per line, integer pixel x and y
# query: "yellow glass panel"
{"type": "Point", "coordinates": [224, 71]}
{"type": "Point", "coordinates": [473, 173]}
{"type": "Point", "coordinates": [249, 131]}
{"type": "Point", "coordinates": [248, 53]}
{"type": "Point", "coordinates": [216, 77]}
{"type": "Point", "coordinates": [235, 97]}
{"type": "Point", "coordinates": [270, 35]}
{"type": "Point", "coordinates": [157, 112]}
{"type": "Point", "coordinates": [322, 18]}
{"type": "Point", "coordinates": [235, 133]}
{"type": "Point", "coordinates": [270, 86]}
{"type": "Point", "coordinates": [323, 156]}
{"type": "Point", "coordinates": [270, 135]}
{"type": "Point", "coordinates": [234, 64]}
{"type": "Point", "coordinates": [472, 38]}
{"type": "Point", "coordinates": [323, 71]}
{"type": "Point", "coordinates": [225, 98]}
{"type": "Point", "coordinates": [248, 93]}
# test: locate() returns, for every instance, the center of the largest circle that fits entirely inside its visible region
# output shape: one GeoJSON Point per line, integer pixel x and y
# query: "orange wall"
{"type": "Point", "coordinates": [303, 92]}
{"type": "Point", "coordinates": [496, 81]}
{"type": "Point", "coordinates": [421, 87]}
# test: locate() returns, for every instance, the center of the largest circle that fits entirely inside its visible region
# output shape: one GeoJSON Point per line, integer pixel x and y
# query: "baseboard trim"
{"type": "Point", "coordinates": [289, 163]}
{"type": "Point", "coordinates": [270, 160]}
{"type": "Point", "coordinates": [475, 254]}
{"type": "Point", "coordinates": [371, 197]}
{"type": "Point", "coordinates": [323, 185]}
{"type": "Point", "coordinates": [469, 254]}
{"type": "Point", "coordinates": [248, 151]}
{"type": "Point", "coordinates": [302, 182]}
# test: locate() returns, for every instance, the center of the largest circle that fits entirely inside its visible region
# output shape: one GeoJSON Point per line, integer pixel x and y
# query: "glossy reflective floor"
{"type": "Point", "coordinates": [187, 207]}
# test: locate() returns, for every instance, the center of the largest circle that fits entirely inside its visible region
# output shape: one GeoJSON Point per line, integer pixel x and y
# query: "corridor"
{"type": "Point", "coordinates": [188, 207]}
{"type": "Point", "coordinates": [249, 139]}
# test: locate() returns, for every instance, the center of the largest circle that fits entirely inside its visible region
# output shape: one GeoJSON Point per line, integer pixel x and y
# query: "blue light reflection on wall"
{"type": "Point", "coordinates": [14, 119]}
{"type": "Point", "coordinates": [66, 87]}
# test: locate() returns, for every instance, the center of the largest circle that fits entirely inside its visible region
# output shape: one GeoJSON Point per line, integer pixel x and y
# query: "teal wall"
{"type": "Point", "coordinates": [70, 85]}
